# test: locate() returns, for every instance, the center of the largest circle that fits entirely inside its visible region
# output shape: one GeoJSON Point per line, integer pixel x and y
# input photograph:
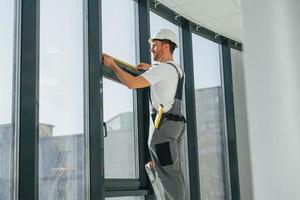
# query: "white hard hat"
{"type": "Point", "coordinates": [165, 34]}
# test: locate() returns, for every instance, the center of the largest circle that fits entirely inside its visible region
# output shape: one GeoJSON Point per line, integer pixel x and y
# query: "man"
{"type": "Point", "coordinates": [166, 81]}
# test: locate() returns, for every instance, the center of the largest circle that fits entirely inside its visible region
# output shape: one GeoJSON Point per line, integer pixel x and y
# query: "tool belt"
{"type": "Point", "coordinates": [169, 116]}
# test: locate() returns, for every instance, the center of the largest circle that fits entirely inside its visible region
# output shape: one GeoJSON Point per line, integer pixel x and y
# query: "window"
{"type": "Point", "coordinates": [119, 144]}
{"type": "Point", "coordinates": [61, 143]}
{"type": "Point", "coordinates": [118, 29]}
{"type": "Point", "coordinates": [210, 120]}
{"type": "Point", "coordinates": [157, 23]}
{"type": "Point", "coordinates": [119, 40]}
{"type": "Point", "coordinates": [7, 136]}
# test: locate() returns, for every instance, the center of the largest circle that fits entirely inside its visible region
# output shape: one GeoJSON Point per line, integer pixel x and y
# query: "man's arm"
{"type": "Point", "coordinates": [127, 79]}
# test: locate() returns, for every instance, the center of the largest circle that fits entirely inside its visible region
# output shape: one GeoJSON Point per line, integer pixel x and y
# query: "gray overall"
{"type": "Point", "coordinates": [165, 144]}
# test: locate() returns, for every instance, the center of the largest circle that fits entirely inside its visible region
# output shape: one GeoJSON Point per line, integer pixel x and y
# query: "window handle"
{"type": "Point", "coordinates": [105, 129]}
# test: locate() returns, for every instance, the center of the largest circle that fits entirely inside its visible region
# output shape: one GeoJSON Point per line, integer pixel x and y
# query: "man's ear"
{"type": "Point", "coordinates": [166, 47]}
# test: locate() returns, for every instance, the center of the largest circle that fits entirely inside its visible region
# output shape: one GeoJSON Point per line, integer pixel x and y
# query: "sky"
{"type": "Point", "coordinates": [62, 60]}
{"type": "Point", "coordinates": [6, 60]}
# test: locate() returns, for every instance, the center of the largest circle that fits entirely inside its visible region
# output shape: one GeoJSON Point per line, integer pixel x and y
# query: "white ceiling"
{"type": "Point", "coordinates": [220, 16]}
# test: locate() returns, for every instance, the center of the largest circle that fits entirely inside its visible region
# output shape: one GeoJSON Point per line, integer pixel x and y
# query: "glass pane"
{"type": "Point", "coordinates": [61, 144]}
{"type": "Point", "coordinates": [119, 40]}
{"type": "Point", "coordinates": [118, 32]}
{"type": "Point", "coordinates": [6, 99]}
{"type": "Point", "coordinates": [119, 154]}
{"type": "Point", "coordinates": [210, 119]}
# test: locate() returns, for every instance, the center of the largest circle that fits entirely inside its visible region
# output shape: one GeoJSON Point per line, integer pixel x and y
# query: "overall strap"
{"type": "Point", "coordinates": [179, 89]}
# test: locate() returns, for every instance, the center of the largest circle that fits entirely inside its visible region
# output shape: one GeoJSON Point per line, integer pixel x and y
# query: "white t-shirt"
{"type": "Point", "coordinates": [163, 78]}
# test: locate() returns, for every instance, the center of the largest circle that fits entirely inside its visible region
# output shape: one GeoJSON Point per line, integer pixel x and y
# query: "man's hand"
{"type": "Point", "coordinates": [150, 164]}
{"type": "Point", "coordinates": [127, 79]}
{"type": "Point", "coordinates": [143, 66]}
{"type": "Point", "coordinates": [108, 61]}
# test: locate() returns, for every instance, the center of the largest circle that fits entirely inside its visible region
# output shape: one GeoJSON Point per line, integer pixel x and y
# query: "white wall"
{"type": "Point", "coordinates": [272, 71]}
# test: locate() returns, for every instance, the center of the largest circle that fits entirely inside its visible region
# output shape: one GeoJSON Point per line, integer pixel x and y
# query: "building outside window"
{"type": "Point", "coordinates": [62, 146]}
{"type": "Point", "coordinates": [7, 95]}
{"type": "Point", "coordinates": [211, 134]}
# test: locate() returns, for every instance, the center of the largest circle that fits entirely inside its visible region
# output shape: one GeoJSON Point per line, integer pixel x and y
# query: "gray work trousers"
{"type": "Point", "coordinates": [165, 145]}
